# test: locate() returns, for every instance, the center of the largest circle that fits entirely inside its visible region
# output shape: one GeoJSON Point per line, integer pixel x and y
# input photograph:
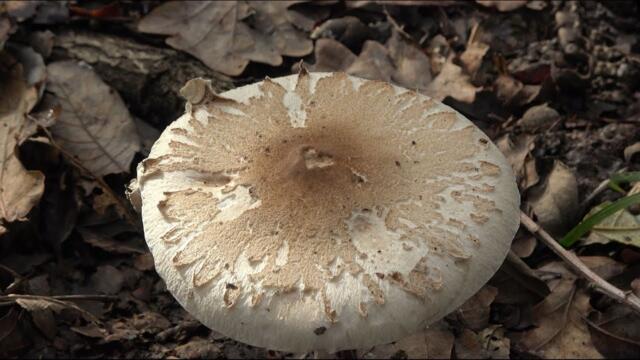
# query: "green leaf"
{"type": "Point", "coordinates": [621, 178]}
{"type": "Point", "coordinates": [590, 221]}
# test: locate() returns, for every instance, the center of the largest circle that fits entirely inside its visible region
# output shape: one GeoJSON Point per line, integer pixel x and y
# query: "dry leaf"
{"type": "Point", "coordinates": [397, 61]}
{"type": "Point", "coordinates": [348, 30]}
{"type": "Point", "coordinates": [107, 243]}
{"type": "Point", "coordinates": [94, 125]}
{"type": "Point", "coordinates": [538, 117]}
{"type": "Point", "coordinates": [523, 246]}
{"type": "Point", "coordinates": [5, 30]}
{"type": "Point", "coordinates": [198, 348]}
{"type": "Point", "coordinates": [226, 35]}
{"type": "Point", "coordinates": [630, 151]}
{"type": "Point", "coordinates": [452, 82]}
{"type": "Point", "coordinates": [34, 70]}
{"type": "Point", "coordinates": [373, 63]}
{"type": "Point", "coordinates": [107, 280]}
{"type": "Point", "coordinates": [434, 343]}
{"type": "Point", "coordinates": [38, 303]}
{"type": "Point", "coordinates": [555, 202]}
{"type": "Point", "coordinates": [615, 332]}
{"type": "Point", "coordinates": [518, 153]}
{"type": "Point", "coordinates": [472, 57]}
{"type": "Point", "coordinates": [20, 189]}
{"type": "Point", "coordinates": [503, 5]}
{"type": "Point", "coordinates": [21, 10]}
{"type": "Point", "coordinates": [490, 343]}
{"type": "Point", "coordinates": [412, 66]}
{"type": "Point", "coordinates": [622, 227]}
{"type": "Point", "coordinates": [331, 55]}
{"type": "Point", "coordinates": [474, 313]}
{"type": "Point", "coordinates": [560, 330]}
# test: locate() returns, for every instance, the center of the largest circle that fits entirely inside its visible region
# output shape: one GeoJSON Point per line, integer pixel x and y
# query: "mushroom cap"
{"type": "Point", "coordinates": [321, 211]}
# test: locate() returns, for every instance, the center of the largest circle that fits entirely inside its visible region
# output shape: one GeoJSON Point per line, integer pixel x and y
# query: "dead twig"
{"type": "Point", "coordinates": [395, 24]}
{"type": "Point", "coordinates": [579, 267]}
{"type": "Point", "coordinates": [13, 297]}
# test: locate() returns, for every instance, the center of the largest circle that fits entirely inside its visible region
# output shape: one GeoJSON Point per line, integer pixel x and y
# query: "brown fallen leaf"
{"type": "Point", "coordinates": [107, 243]}
{"type": "Point", "coordinates": [451, 81]}
{"type": "Point", "coordinates": [412, 66]}
{"type": "Point", "coordinates": [502, 5]}
{"type": "Point", "coordinates": [518, 153]}
{"type": "Point", "coordinates": [33, 303]}
{"type": "Point", "coordinates": [94, 124]}
{"type": "Point", "coordinates": [348, 30]}
{"type": "Point", "coordinates": [523, 246]}
{"type": "Point", "coordinates": [489, 343]}
{"type": "Point", "coordinates": [107, 280]}
{"type": "Point", "coordinates": [362, 3]}
{"type": "Point", "coordinates": [198, 348]}
{"type": "Point", "coordinates": [144, 262]}
{"type": "Point", "coordinates": [538, 117]}
{"type": "Point", "coordinates": [34, 70]}
{"type": "Point", "coordinates": [474, 313]}
{"type": "Point", "coordinates": [561, 331]}
{"type": "Point", "coordinates": [219, 33]}
{"type": "Point", "coordinates": [331, 55]}
{"type": "Point", "coordinates": [373, 63]}
{"type": "Point", "coordinates": [20, 189]}
{"type": "Point", "coordinates": [397, 61]}
{"type": "Point", "coordinates": [622, 227]}
{"type": "Point", "coordinates": [631, 151]}
{"type": "Point", "coordinates": [472, 56]}
{"type": "Point", "coordinates": [615, 332]}
{"type": "Point", "coordinates": [434, 343]}
{"type": "Point", "coordinates": [5, 29]}
{"type": "Point", "coordinates": [555, 201]}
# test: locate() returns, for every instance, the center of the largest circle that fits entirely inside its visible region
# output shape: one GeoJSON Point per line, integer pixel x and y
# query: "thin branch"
{"type": "Point", "coordinates": [395, 24]}
{"type": "Point", "coordinates": [579, 267]}
{"type": "Point", "coordinates": [13, 297]}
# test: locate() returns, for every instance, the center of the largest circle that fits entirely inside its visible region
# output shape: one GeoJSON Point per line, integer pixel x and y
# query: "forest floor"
{"type": "Point", "coordinates": [87, 87]}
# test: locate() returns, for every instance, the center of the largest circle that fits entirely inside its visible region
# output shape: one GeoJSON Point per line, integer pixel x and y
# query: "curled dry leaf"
{"type": "Point", "coordinates": [631, 151]}
{"type": "Point", "coordinates": [523, 246]}
{"type": "Point", "coordinates": [198, 348]}
{"type": "Point", "coordinates": [451, 81]}
{"type": "Point", "coordinates": [94, 124]}
{"type": "Point", "coordinates": [622, 227]}
{"type": "Point", "coordinates": [434, 343]}
{"type": "Point", "coordinates": [555, 202]}
{"type": "Point", "coordinates": [474, 313]}
{"type": "Point", "coordinates": [39, 303]}
{"type": "Point", "coordinates": [472, 57]}
{"type": "Point", "coordinates": [538, 117]}
{"type": "Point", "coordinates": [220, 35]}
{"type": "Point", "coordinates": [5, 30]}
{"type": "Point", "coordinates": [518, 153]}
{"type": "Point", "coordinates": [490, 343]}
{"type": "Point", "coordinates": [348, 30]}
{"type": "Point", "coordinates": [397, 61]}
{"type": "Point", "coordinates": [331, 55]}
{"type": "Point", "coordinates": [615, 332]}
{"type": "Point", "coordinates": [34, 70]}
{"type": "Point", "coordinates": [560, 330]}
{"type": "Point", "coordinates": [502, 5]}
{"type": "Point", "coordinates": [20, 189]}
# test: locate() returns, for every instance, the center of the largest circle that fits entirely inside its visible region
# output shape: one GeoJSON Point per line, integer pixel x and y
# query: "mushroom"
{"type": "Point", "coordinates": [321, 211]}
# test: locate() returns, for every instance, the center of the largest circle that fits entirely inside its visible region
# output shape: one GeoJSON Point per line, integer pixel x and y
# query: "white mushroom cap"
{"type": "Point", "coordinates": [324, 212]}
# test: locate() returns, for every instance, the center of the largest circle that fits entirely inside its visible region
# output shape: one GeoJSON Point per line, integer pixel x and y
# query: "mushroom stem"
{"type": "Point", "coordinates": [579, 267]}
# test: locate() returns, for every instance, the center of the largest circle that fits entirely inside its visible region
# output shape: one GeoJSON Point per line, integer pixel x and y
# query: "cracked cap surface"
{"type": "Point", "coordinates": [324, 212]}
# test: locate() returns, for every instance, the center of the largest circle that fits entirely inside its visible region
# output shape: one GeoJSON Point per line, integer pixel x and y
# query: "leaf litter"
{"type": "Point", "coordinates": [551, 83]}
